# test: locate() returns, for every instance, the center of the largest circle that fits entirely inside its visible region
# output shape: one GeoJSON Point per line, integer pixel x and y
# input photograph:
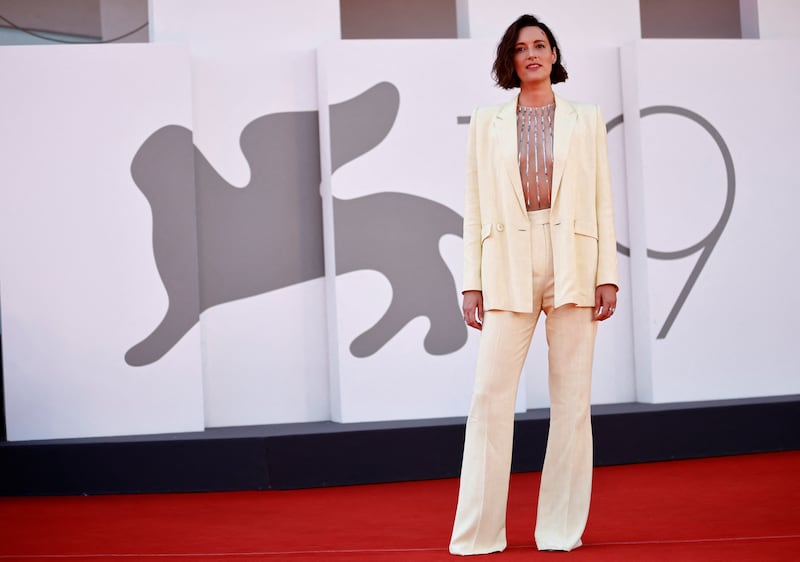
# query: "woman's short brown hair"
{"type": "Point", "coordinates": [503, 69]}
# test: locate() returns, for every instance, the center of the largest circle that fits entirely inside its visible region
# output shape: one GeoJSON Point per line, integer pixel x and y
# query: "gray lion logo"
{"type": "Point", "coordinates": [268, 234]}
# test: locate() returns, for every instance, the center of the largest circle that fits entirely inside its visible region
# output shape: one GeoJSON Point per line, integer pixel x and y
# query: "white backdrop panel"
{"type": "Point", "coordinates": [733, 337]}
{"type": "Point", "coordinates": [778, 19]}
{"type": "Point", "coordinates": [264, 349]}
{"type": "Point", "coordinates": [296, 24]}
{"type": "Point", "coordinates": [399, 205]}
{"type": "Point", "coordinates": [264, 335]}
{"type": "Point", "coordinates": [78, 279]}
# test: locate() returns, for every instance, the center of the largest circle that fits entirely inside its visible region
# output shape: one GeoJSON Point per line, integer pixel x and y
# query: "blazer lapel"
{"type": "Point", "coordinates": [562, 133]}
{"type": "Point", "coordinates": [506, 131]}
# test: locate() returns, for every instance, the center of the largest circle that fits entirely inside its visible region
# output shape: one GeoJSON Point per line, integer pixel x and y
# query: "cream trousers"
{"type": "Point", "coordinates": [565, 490]}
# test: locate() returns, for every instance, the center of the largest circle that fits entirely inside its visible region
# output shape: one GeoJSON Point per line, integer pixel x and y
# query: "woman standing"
{"type": "Point", "coordinates": [538, 237]}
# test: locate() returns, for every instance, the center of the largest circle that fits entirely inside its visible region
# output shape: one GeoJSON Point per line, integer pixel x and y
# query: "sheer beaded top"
{"type": "Point", "coordinates": [535, 141]}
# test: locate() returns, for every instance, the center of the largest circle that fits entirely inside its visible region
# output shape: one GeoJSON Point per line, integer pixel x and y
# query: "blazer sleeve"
{"type": "Point", "coordinates": [472, 213]}
{"type": "Point", "coordinates": [607, 271]}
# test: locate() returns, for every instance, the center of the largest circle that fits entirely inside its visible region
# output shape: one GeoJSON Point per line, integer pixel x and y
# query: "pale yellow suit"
{"type": "Point", "coordinates": [500, 254]}
{"type": "Point", "coordinates": [582, 213]}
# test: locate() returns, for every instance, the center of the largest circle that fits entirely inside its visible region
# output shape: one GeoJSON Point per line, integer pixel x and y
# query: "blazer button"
{"type": "Point", "coordinates": [500, 227]}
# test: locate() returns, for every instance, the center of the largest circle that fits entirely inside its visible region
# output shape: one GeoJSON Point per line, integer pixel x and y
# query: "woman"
{"type": "Point", "coordinates": [538, 237]}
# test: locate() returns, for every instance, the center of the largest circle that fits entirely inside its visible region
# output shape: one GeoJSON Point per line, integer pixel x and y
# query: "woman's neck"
{"type": "Point", "coordinates": [537, 95]}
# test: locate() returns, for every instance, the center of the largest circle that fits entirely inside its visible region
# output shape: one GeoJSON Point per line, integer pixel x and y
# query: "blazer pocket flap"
{"type": "Point", "coordinates": [486, 230]}
{"type": "Point", "coordinates": [585, 228]}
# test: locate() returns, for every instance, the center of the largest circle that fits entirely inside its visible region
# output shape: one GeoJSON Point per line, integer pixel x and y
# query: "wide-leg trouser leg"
{"type": "Point", "coordinates": [480, 523]}
{"type": "Point", "coordinates": [566, 479]}
{"type": "Point", "coordinates": [566, 484]}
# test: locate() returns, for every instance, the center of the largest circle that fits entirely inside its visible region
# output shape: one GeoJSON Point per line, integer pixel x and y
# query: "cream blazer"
{"type": "Point", "coordinates": [497, 241]}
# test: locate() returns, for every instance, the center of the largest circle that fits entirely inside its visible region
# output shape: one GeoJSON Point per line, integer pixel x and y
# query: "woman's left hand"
{"type": "Point", "coordinates": [605, 302]}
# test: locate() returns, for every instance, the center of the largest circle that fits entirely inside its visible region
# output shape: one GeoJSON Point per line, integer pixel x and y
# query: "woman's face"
{"type": "Point", "coordinates": [533, 55]}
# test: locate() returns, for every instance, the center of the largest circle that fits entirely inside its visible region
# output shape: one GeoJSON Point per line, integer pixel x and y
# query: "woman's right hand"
{"type": "Point", "coordinates": [473, 309]}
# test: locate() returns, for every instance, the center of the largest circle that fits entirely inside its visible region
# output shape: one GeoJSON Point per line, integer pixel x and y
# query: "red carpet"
{"type": "Point", "coordinates": [726, 509]}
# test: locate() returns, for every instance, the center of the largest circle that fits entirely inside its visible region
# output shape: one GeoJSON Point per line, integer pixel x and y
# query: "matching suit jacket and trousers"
{"type": "Point", "coordinates": [526, 263]}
